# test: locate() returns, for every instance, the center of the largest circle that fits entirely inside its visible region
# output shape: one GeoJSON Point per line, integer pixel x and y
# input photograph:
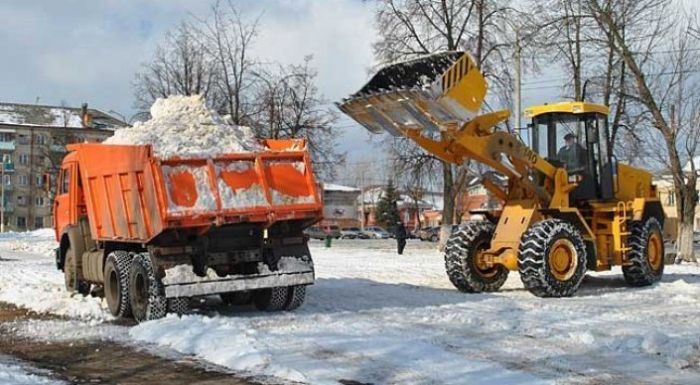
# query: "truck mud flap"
{"type": "Point", "coordinates": [238, 283]}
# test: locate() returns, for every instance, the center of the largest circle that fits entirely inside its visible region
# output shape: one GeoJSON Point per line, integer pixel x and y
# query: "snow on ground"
{"type": "Point", "coordinates": [374, 316]}
{"type": "Point", "coordinates": [29, 278]}
{"type": "Point", "coordinates": [13, 372]}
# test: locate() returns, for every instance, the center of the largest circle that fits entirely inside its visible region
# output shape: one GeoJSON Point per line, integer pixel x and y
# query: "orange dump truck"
{"type": "Point", "coordinates": [152, 233]}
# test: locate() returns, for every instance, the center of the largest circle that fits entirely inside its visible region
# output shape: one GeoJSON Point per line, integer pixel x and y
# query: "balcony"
{"type": "Point", "coordinates": [9, 166]}
{"type": "Point", "coordinates": [9, 208]}
{"type": "Point", "coordinates": [7, 146]}
{"type": "Point", "coordinates": [8, 187]}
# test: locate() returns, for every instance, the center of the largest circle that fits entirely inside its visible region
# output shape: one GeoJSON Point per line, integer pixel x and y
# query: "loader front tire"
{"type": "Point", "coordinates": [461, 259]}
{"type": "Point", "coordinates": [116, 283]}
{"type": "Point", "coordinates": [552, 259]}
{"type": "Point", "coordinates": [146, 291]}
{"type": "Point", "coordinates": [70, 275]}
{"type": "Point", "coordinates": [645, 257]}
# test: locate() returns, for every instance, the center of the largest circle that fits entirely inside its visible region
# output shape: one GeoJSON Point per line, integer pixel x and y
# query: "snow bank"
{"type": "Point", "coordinates": [183, 126]}
{"type": "Point", "coordinates": [15, 373]}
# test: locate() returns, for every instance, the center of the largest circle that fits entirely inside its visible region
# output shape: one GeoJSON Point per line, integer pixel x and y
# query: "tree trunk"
{"type": "Point", "coordinates": [687, 201]}
{"type": "Point", "coordinates": [448, 208]}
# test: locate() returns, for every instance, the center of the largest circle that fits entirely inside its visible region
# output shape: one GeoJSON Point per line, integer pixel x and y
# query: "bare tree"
{"type": "Point", "coordinates": [289, 106]}
{"type": "Point", "coordinates": [410, 28]}
{"type": "Point", "coordinates": [661, 63]}
{"type": "Point", "coordinates": [228, 38]}
{"type": "Point", "coordinates": [180, 66]}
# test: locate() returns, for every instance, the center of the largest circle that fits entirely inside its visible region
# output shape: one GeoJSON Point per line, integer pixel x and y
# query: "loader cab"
{"type": "Point", "coordinates": [574, 136]}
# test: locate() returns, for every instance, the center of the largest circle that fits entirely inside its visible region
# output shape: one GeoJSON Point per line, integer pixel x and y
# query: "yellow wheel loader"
{"type": "Point", "coordinates": [568, 205]}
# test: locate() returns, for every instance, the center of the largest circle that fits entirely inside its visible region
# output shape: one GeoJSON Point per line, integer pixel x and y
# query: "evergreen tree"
{"type": "Point", "coordinates": [387, 209]}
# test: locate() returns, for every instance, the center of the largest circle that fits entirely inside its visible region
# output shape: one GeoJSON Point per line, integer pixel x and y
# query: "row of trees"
{"type": "Point", "coordinates": [638, 56]}
{"type": "Point", "coordinates": [213, 56]}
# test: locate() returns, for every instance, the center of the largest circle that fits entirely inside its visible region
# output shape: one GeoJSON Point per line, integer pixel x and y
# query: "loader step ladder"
{"type": "Point", "coordinates": [620, 227]}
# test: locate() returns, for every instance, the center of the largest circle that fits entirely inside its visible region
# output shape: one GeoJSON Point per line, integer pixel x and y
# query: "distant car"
{"type": "Point", "coordinates": [376, 232]}
{"type": "Point", "coordinates": [320, 232]}
{"type": "Point", "coordinates": [352, 233]}
{"type": "Point", "coordinates": [432, 234]}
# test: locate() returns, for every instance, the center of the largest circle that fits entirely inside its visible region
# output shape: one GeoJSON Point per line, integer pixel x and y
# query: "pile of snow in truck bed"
{"type": "Point", "coordinates": [183, 126]}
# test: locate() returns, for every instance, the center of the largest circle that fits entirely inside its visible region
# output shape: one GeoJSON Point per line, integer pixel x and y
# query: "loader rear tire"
{"type": "Point", "coordinates": [295, 297]}
{"type": "Point", "coordinates": [646, 254]}
{"type": "Point", "coordinates": [552, 259]}
{"type": "Point", "coordinates": [70, 275]}
{"type": "Point", "coordinates": [273, 299]}
{"type": "Point", "coordinates": [146, 291]}
{"type": "Point", "coordinates": [461, 252]}
{"type": "Point", "coordinates": [116, 283]}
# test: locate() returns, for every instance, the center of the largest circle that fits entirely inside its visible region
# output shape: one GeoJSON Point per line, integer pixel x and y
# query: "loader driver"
{"type": "Point", "coordinates": [572, 155]}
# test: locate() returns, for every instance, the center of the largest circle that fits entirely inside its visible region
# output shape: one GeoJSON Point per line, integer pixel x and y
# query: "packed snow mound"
{"type": "Point", "coordinates": [183, 126]}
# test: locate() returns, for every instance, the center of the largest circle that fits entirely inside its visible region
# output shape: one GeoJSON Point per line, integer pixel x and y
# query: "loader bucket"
{"type": "Point", "coordinates": [432, 92]}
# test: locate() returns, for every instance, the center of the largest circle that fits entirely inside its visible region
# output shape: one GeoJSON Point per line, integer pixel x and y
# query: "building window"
{"type": "Point", "coordinates": [21, 222]}
{"type": "Point", "coordinates": [670, 199]}
{"type": "Point", "coordinates": [6, 137]}
{"type": "Point", "coordinates": [38, 222]}
{"type": "Point", "coordinates": [22, 139]}
{"type": "Point", "coordinates": [23, 158]}
{"type": "Point", "coordinates": [7, 179]}
{"type": "Point", "coordinates": [39, 180]}
{"type": "Point", "coordinates": [22, 180]}
{"type": "Point", "coordinates": [39, 201]}
{"type": "Point", "coordinates": [40, 139]}
{"type": "Point", "coordinates": [21, 200]}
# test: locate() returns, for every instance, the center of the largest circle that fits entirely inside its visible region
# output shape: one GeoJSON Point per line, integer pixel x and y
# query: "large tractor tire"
{"type": "Point", "coordinates": [116, 283]}
{"type": "Point", "coordinates": [179, 305]}
{"type": "Point", "coordinates": [70, 275]}
{"type": "Point", "coordinates": [461, 259]}
{"type": "Point", "coordinates": [646, 254]}
{"type": "Point", "coordinates": [273, 299]}
{"type": "Point", "coordinates": [552, 259]}
{"type": "Point", "coordinates": [145, 290]}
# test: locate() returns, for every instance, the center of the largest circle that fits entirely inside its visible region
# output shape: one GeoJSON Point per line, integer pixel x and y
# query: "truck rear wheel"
{"type": "Point", "coordinates": [461, 259]}
{"type": "Point", "coordinates": [179, 305]}
{"type": "Point", "coordinates": [552, 259]}
{"type": "Point", "coordinates": [116, 283]}
{"type": "Point", "coordinates": [273, 299]}
{"type": "Point", "coordinates": [295, 297]}
{"type": "Point", "coordinates": [146, 291]}
{"type": "Point", "coordinates": [70, 275]}
{"type": "Point", "coordinates": [646, 253]}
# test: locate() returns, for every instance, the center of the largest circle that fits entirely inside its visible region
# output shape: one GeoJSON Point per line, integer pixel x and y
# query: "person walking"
{"type": "Point", "coordinates": [401, 236]}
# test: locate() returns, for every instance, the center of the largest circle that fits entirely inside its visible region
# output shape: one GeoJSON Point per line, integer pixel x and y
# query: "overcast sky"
{"type": "Point", "coordinates": [88, 51]}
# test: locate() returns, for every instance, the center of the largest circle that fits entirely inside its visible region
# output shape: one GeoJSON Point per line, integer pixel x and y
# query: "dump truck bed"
{"type": "Point", "coordinates": [133, 196]}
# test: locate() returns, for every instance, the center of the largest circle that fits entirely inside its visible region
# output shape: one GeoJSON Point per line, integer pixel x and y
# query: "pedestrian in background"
{"type": "Point", "coordinates": [401, 236]}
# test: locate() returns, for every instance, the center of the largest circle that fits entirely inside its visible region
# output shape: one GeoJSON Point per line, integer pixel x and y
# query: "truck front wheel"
{"type": "Point", "coordinates": [116, 284]}
{"type": "Point", "coordinates": [273, 299]}
{"type": "Point", "coordinates": [146, 291]}
{"type": "Point", "coordinates": [70, 275]}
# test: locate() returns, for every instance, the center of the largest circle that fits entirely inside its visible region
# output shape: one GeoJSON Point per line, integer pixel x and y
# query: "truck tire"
{"type": "Point", "coordinates": [273, 299]}
{"type": "Point", "coordinates": [552, 259]}
{"type": "Point", "coordinates": [70, 275]}
{"type": "Point", "coordinates": [295, 297]}
{"type": "Point", "coordinates": [178, 306]}
{"type": "Point", "coordinates": [146, 291]}
{"type": "Point", "coordinates": [646, 254]}
{"type": "Point", "coordinates": [116, 283]}
{"type": "Point", "coordinates": [461, 264]}
{"type": "Point", "coordinates": [237, 298]}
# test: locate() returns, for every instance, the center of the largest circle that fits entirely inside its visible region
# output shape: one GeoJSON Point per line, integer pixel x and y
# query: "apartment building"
{"type": "Point", "coordinates": [33, 141]}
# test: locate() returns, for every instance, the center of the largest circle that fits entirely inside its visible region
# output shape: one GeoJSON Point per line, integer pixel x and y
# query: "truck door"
{"type": "Point", "coordinates": [62, 203]}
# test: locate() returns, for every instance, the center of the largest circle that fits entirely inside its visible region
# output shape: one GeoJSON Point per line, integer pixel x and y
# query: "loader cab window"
{"type": "Point", "coordinates": [64, 181]}
{"type": "Point", "coordinates": [578, 143]}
